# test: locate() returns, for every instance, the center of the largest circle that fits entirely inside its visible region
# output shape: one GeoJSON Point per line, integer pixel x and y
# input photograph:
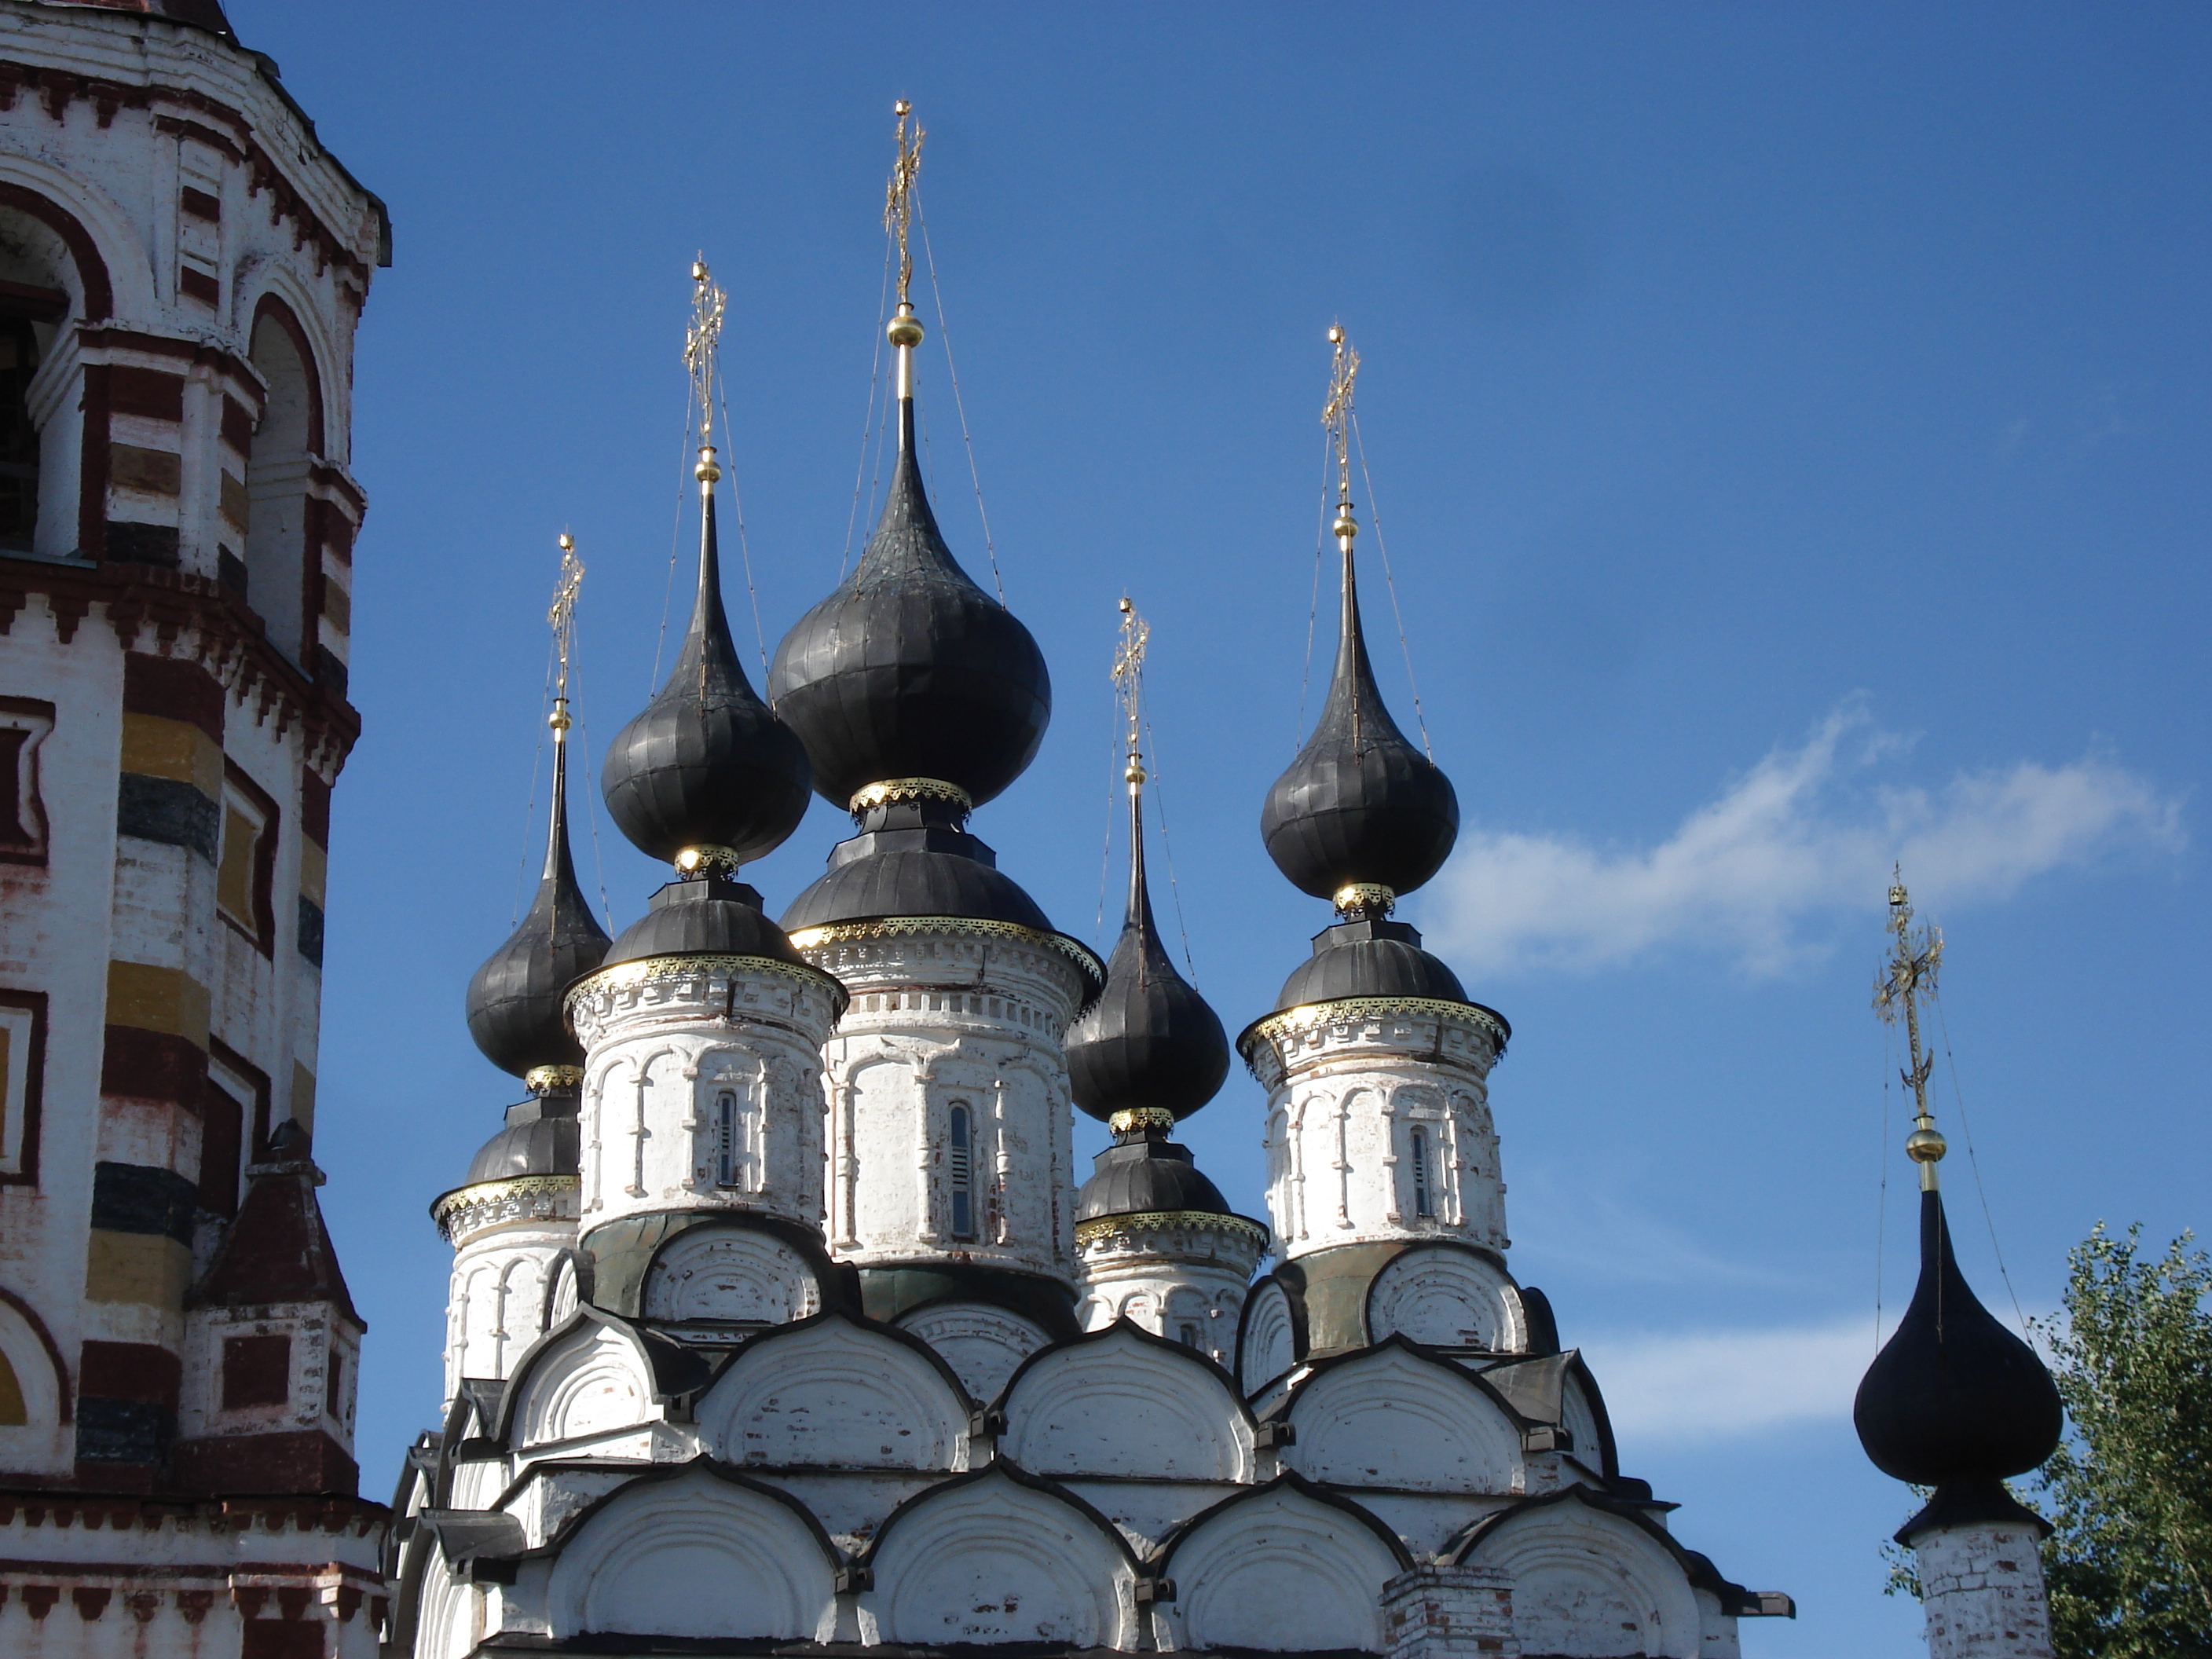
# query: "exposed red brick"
{"type": "Point", "coordinates": [237, 425]}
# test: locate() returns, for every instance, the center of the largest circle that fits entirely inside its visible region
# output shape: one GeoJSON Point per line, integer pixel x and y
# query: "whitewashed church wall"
{"type": "Point", "coordinates": [1588, 1582]}
{"type": "Point", "coordinates": [993, 1560]}
{"type": "Point", "coordinates": [1187, 1283]}
{"type": "Point", "coordinates": [499, 1299]}
{"type": "Point", "coordinates": [1279, 1569]}
{"type": "Point", "coordinates": [1122, 1404]}
{"type": "Point", "coordinates": [695, 1557]}
{"type": "Point", "coordinates": [1982, 1592]}
{"type": "Point", "coordinates": [984, 1345]}
{"type": "Point", "coordinates": [1390, 1418]}
{"type": "Point", "coordinates": [947, 1024]}
{"type": "Point", "coordinates": [836, 1396]}
{"type": "Point", "coordinates": [702, 1091]}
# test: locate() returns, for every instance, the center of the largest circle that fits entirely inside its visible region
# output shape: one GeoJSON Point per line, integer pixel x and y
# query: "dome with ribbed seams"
{"type": "Point", "coordinates": [1359, 805]}
{"type": "Point", "coordinates": [539, 1138]}
{"type": "Point", "coordinates": [908, 670]}
{"type": "Point", "coordinates": [514, 1000]}
{"type": "Point", "coordinates": [706, 765]}
{"type": "Point", "coordinates": [1147, 1174]}
{"type": "Point", "coordinates": [1150, 1040]}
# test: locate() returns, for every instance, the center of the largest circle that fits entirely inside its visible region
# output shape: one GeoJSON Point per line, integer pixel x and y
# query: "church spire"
{"type": "Point", "coordinates": [514, 1001]}
{"type": "Point", "coordinates": [1361, 815]}
{"type": "Point", "coordinates": [1150, 1050]}
{"type": "Point", "coordinates": [706, 777]}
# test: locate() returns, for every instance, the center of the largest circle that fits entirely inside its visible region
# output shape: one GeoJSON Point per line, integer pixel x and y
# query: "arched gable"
{"type": "Point", "coordinates": [1448, 1296]}
{"type": "Point", "coordinates": [984, 1343]}
{"type": "Point", "coordinates": [1590, 1576]}
{"type": "Point", "coordinates": [703, 1553]}
{"type": "Point", "coordinates": [1393, 1415]}
{"type": "Point", "coordinates": [592, 1375]}
{"type": "Point", "coordinates": [734, 1274]}
{"type": "Point", "coordinates": [1281, 1567]}
{"type": "Point", "coordinates": [1122, 1401]}
{"type": "Point", "coordinates": [835, 1392]}
{"type": "Point", "coordinates": [999, 1556]}
{"type": "Point", "coordinates": [1271, 1335]}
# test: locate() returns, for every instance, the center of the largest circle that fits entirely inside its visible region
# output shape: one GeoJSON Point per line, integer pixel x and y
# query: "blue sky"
{"type": "Point", "coordinates": [1788, 427]}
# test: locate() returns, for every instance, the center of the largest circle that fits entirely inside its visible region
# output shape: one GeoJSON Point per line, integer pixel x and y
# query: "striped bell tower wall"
{"type": "Point", "coordinates": [182, 268]}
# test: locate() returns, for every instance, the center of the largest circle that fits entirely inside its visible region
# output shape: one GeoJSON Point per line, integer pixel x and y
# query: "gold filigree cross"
{"type": "Point", "coordinates": [1336, 413]}
{"type": "Point", "coordinates": [561, 614]}
{"type": "Point", "coordinates": [701, 338]}
{"type": "Point", "coordinates": [1128, 678]}
{"type": "Point", "coordinates": [898, 193]}
{"type": "Point", "coordinates": [1907, 979]}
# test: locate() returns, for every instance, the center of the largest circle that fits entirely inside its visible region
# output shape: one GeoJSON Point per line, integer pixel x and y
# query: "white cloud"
{"type": "Point", "coordinates": [1708, 1385]}
{"type": "Point", "coordinates": [1808, 832]}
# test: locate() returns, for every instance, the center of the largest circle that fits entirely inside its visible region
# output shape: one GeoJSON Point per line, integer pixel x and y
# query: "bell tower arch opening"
{"type": "Point", "coordinates": [283, 563]}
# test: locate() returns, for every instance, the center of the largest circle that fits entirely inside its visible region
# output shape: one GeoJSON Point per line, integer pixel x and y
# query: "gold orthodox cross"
{"type": "Point", "coordinates": [562, 616]}
{"type": "Point", "coordinates": [898, 193]}
{"type": "Point", "coordinates": [1336, 413]}
{"type": "Point", "coordinates": [1128, 677]}
{"type": "Point", "coordinates": [1907, 979]}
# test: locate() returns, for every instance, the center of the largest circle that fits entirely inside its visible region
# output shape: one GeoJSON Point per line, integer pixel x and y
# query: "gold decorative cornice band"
{"type": "Point", "coordinates": [484, 1194]}
{"type": "Point", "coordinates": [622, 975]}
{"type": "Point", "coordinates": [1365, 895]}
{"type": "Point", "coordinates": [1197, 1221]}
{"type": "Point", "coordinates": [549, 1079]}
{"type": "Point", "coordinates": [1308, 1015]}
{"type": "Point", "coordinates": [840, 932]}
{"type": "Point", "coordinates": [1140, 1117]}
{"type": "Point", "coordinates": [891, 789]}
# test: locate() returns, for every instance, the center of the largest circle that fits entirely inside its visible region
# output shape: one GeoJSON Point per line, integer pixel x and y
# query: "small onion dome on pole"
{"type": "Point", "coordinates": [1362, 815]}
{"type": "Point", "coordinates": [1954, 1401]}
{"type": "Point", "coordinates": [908, 671]}
{"type": "Point", "coordinates": [706, 777]}
{"type": "Point", "coordinates": [1150, 1043]}
{"type": "Point", "coordinates": [539, 1138]}
{"type": "Point", "coordinates": [514, 1000]}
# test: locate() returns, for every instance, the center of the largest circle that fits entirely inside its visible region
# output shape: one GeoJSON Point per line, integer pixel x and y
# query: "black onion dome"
{"type": "Point", "coordinates": [1359, 804]}
{"type": "Point", "coordinates": [709, 915]}
{"type": "Point", "coordinates": [1953, 1397]}
{"type": "Point", "coordinates": [1149, 1040]}
{"type": "Point", "coordinates": [1147, 1174]}
{"type": "Point", "coordinates": [908, 670]}
{"type": "Point", "coordinates": [913, 882]}
{"type": "Point", "coordinates": [1369, 959]}
{"type": "Point", "coordinates": [539, 1138]}
{"type": "Point", "coordinates": [514, 1000]}
{"type": "Point", "coordinates": [706, 764]}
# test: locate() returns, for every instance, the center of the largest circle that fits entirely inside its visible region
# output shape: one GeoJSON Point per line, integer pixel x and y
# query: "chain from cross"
{"type": "Point", "coordinates": [1129, 671]}
{"type": "Point", "coordinates": [1907, 978]}
{"type": "Point", "coordinates": [1336, 413]}
{"type": "Point", "coordinates": [898, 193]}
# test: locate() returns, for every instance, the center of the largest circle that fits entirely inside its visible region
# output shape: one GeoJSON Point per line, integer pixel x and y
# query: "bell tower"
{"type": "Point", "coordinates": [182, 266]}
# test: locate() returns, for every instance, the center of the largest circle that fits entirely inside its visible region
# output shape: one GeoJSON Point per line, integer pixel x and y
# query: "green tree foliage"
{"type": "Point", "coordinates": [2129, 1491]}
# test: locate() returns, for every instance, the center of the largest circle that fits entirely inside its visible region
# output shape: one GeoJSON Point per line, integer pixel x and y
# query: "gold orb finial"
{"type": "Point", "coordinates": [698, 270]}
{"type": "Point", "coordinates": [1345, 526]}
{"type": "Point", "coordinates": [901, 107]}
{"type": "Point", "coordinates": [558, 720]}
{"type": "Point", "coordinates": [566, 542]}
{"type": "Point", "coordinates": [1926, 1146]}
{"type": "Point", "coordinates": [1336, 333]}
{"type": "Point", "coordinates": [905, 329]}
{"type": "Point", "coordinates": [709, 471]}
